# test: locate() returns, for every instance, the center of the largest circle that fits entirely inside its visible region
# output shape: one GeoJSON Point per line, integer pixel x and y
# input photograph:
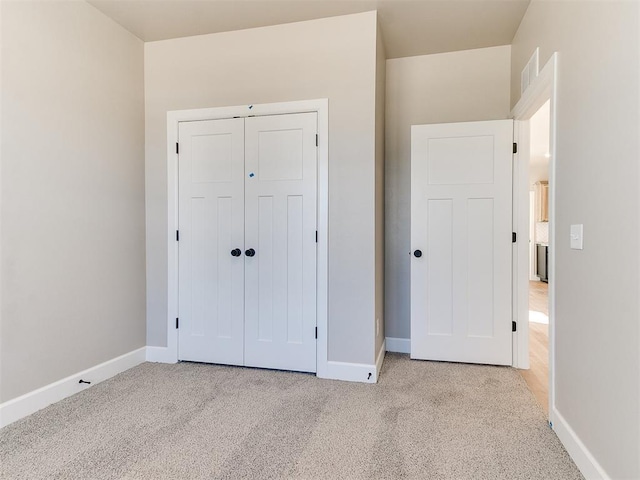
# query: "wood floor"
{"type": "Point", "coordinates": [537, 377]}
{"type": "Point", "coordinates": [539, 297]}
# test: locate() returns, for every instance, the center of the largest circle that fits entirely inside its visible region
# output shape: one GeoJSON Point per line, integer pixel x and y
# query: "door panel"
{"type": "Point", "coordinates": [280, 225]}
{"type": "Point", "coordinates": [265, 290]}
{"type": "Point", "coordinates": [295, 269]}
{"type": "Point", "coordinates": [461, 221]}
{"type": "Point", "coordinates": [211, 224]}
{"type": "Point", "coordinates": [480, 227]}
{"type": "Point", "coordinates": [440, 273]}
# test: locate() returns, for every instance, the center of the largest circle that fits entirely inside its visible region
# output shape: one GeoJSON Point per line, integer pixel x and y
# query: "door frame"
{"type": "Point", "coordinates": [319, 106]}
{"type": "Point", "coordinates": [544, 87]}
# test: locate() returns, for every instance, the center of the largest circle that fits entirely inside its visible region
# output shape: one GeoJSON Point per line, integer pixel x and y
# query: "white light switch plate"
{"type": "Point", "coordinates": [576, 237]}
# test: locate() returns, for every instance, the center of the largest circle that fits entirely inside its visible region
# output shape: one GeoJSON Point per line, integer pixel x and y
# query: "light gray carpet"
{"type": "Point", "coordinates": [423, 420]}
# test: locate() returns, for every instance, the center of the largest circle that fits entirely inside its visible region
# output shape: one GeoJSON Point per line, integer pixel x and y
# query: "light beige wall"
{"type": "Point", "coordinates": [381, 71]}
{"type": "Point", "coordinates": [450, 87]}
{"type": "Point", "coordinates": [332, 58]}
{"type": "Point", "coordinates": [597, 183]}
{"type": "Point", "coordinates": [539, 145]}
{"type": "Point", "coordinates": [73, 275]}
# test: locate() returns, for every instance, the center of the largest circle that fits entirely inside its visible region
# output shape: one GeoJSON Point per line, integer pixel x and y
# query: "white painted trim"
{"type": "Point", "coordinates": [538, 93]}
{"type": "Point", "coordinates": [355, 372]}
{"type": "Point", "coordinates": [350, 372]}
{"type": "Point", "coordinates": [520, 254]}
{"type": "Point", "coordinates": [543, 88]}
{"type": "Point", "coordinates": [31, 402]}
{"type": "Point", "coordinates": [551, 274]}
{"type": "Point", "coordinates": [398, 345]}
{"type": "Point", "coordinates": [579, 453]}
{"type": "Point", "coordinates": [160, 355]}
{"type": "Point", "coordinates": [321, 106]}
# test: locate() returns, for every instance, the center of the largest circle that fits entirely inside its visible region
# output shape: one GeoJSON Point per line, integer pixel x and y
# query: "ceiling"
{"type": "Point", "coordinates": [409, 27]}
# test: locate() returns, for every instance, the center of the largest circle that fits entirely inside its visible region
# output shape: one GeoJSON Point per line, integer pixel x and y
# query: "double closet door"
{"type": "Point", "coordinates": [247, 241]}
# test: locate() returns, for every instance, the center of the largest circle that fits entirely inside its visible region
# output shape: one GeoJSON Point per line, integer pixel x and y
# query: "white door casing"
{"type": "Point", "coordinates": [253, 178]}
{"type": "Point", "coordinates": [461, 221]}
{"type": "Point", "coordinates": [211, 225]}
{"type": "Point", "coordinates": [280, 225]}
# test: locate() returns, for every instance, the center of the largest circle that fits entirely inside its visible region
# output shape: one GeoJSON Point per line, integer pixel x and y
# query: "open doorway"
{"type": "Point", "coordinates": [537, 377]}
{"type": "Point", "coordinates": [542, 89]}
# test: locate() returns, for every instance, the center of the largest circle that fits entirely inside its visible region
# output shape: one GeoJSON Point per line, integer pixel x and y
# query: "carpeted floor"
{"type": "Point", "coordinates": [423, 420]}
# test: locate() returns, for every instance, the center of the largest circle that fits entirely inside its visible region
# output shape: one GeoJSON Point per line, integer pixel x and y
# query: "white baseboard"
{"type": "Point", "coordinates": [161, 355]}
{"type": "Point", "coordinates": [31, 402]}
{"type": "Point", "coordinates": [398, 345]}
{"type": "Point", "coordinates": [351, 372]}
{"type": "Point", "coordinates": [355, 372]}
{"type": "Point", "coordinates": [577, 450]}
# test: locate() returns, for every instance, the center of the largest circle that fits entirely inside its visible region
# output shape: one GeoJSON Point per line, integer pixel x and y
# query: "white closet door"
{"type": "Point", "coordinates": [280, 226]}
{"type": "Point", "coordinates": [211, 219]}
{"type": "Point", "coordinates": [461, 224]}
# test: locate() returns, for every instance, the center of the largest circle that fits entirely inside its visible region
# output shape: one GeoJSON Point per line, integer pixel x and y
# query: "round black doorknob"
{"type": "Point", "coordinates": [250, 253]}
{"type": "Point", "coordinates": [417, 253]}
{"type": "Point", "coordinates": [236, 252]}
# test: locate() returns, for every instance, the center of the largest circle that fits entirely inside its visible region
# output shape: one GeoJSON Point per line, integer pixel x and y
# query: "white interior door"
{"type": "Point", "coordinates": [211, 225]}
{"type": "Point", "coordinates": [461, 224]}
{"type": "Point", "coordinates": [280, 226]}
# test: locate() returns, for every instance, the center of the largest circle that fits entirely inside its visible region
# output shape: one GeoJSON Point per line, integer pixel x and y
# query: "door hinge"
{"type": "Point", "coordinates": [513, 326]}
{"type": "Point", "coordinates": [177, 323]}
{"type": "Point", "coordinates": [316, 236]}
{"type": "Point", "coordinates": [515, 147]}
{"type": "Point", "coordinates": [177, 148]}
{"type": "Point", "coordinates": [177, 235]}
{"type": "Point", "coordinates": [316, 140]}
{"type": "Point", "coordinates": [316, 332]}
{"type": "Point", "coordinates": [514, 237]}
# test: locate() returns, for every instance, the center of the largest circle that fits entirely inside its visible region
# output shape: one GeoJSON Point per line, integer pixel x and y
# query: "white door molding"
{"type": "Point", "coordinates": [321, 107]}
{"type": "Point", "coordinates": [543, 88]}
